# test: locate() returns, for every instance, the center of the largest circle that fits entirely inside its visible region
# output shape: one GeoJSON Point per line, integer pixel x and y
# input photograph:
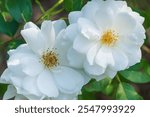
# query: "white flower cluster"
{"type": "Point", "coordinates": [56, 61]}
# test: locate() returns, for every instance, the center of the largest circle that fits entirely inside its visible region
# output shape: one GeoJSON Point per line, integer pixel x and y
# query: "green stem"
{"type": "Point", "coordinates": [24, 19]}
{"type": "Point", "coordinates": [40, 5]}
{"type": "Point", "coordinates": [117, 76]}
{"type": "Point", "coordinates": [57, 12]}
{"type": "Point", "coordinates": [51, 10]}
{"type": "Point", "coordinates": [55, 6]}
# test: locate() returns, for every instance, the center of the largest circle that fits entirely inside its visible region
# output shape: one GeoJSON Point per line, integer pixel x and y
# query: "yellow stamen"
{"type": "Point", "coordinates": [49, 59]}
{"type": "Point", "coordinates": [109, 38]}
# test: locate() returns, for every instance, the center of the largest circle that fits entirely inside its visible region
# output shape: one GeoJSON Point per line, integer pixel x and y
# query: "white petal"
{"type": "Point", "coordinates": [32, 66]}
{"type": "Point", "coordinates": [139, 18]}
{"type": "Point", "coordinates": [14, 64]}
{"type": "Point", "coordinates": [127, 42]}
{"type": "Point", "coordinates": [35, 40]}
{"type": "Point", "coordinates": [47, 85]}
{"type": "Point", "coordinates": [139, 34]}
{"type": "Point", "coordinates": [120, 59]}
{"type": "Point", "coordinates": [10, 93]}
{"type": "Point", "coordinates": [30, 86]}
{"type": "Point", "coordinates": [133, 40]}
{"type": "Point", "coordinates": [33, 97]}
{"type": "Point", "coordinates": [22, 49]}
{"type": "Point", "coordinates": [59, 25]}
{"type": "Point", "coordinates": [92, 53]}
{"type": "Point", "coordinates": [27, 94]}
{"type": "Point", "coordinates": [73, 16]}
{"type": "Point", "coordinates": [110, 73]}
{"type": "Point", "coordinates": [104, 18]}
{"type": "Point", "coordinates": [134, 54]}
{"type": "Point", "coordinates": [104, 57]}
{"type": "Point", "coordinates": [20, 97]}
{"type": "Point", "coordinates": [48, 32]}
{"type": "Point", "coordinates": [62, 45]}
{"type": "Point", "coordinates": [71, 32]}
{"type": "Point", "coordinates": [134, 57]}
{"type": "Point", "coordinates": [116, 6]}
{"type": "Point", "coordinates": [11, 78]}
{"type": "Point", "coordinates": [87, 77]}
{"type": "Point", "coordinates": [124, 23]}
{"type": "Point", "coordinates": [88, 29]}
{"type": "Point", "coordinates": [5, 77]}
{"type": "Point", "coordinates": [63, 96]}
{"type": "Point", "coordinates": [68, 80]}
{"type": "Point", "coordinates": [75, 58]}
{"type": "Point", "coordinates": [94, 69]}
{"type": "Point", "coordinates": [100, 77]}
{"type": "Point", "coordinates": [30, 25]}
{"type": "Point", "coordinates": [16, 81]}
{"type": "Point", "coordinates": [82, 44]}
{"type": "Point", "coordinates": [89, 10]}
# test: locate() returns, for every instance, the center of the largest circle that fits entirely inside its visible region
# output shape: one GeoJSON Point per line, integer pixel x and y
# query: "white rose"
{"type": "Point", "coordinates": [39, 69]}
{"type": "Point", "coordinates": [106, 37]}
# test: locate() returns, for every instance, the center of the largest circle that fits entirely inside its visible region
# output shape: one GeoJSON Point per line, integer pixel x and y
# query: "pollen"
{"type": "Point", "coordinates": [50, 59]}
{"type": "Point", "coordinates": [109, 38]}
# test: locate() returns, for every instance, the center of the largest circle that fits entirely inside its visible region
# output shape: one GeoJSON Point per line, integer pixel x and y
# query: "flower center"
{"type": "Point", "coordinates": [109, 38]}
{"type": "Point", "coordinates": [49, 59]}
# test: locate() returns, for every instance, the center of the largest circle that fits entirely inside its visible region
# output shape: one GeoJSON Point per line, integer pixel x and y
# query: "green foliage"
{"type": "Point", "coordinates": [73, 5]}
{"type": "Point", "coordinates": [21, 10]}
{"type": "Point", "coordinates": [115, 88]}
{"type": "Point", "coordinates": [14, 44]}
{"type": "Point", "coordinates": [2, 6]}
{"type": "Point", "coordinates": [121, 90]}
{"type": "Point", "coordinates": [146, 15]}
{"type": "Point", "coordinates": [8, 27]}
{"type": "Point", "coordinates": [139, 73]}
{"type": "Point", "coordinates": [87, 95]}
{"type": "Point", "coordinates": [3, 88]}
{"type": "Point", "coordinates": [96, 86]}
{"type": "Point", "coordinates": [126, 92]}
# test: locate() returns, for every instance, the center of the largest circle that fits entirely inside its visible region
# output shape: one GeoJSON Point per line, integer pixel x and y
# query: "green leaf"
{"type": "Point", "coordinates": [2, 6]}
{"type": "Point", "coordinates": [73, 5]}
{"type": "Point", "coordinates": [87, 95]}
{"type": "Point", "coordinates": [8, 27]}
{"type": "Point", "coordinates": [140, 73]}
{"type": "Point", "coordinates": [146, 15]}
{"type": "Point", "coordinates": [135, 76]}
{"type": "Point", "coordinates": [93, 88]}
{"type": "Point", "coordinates": [3, 88]}
{"type": "Point", "coordinates": [21, 10]}
{"type": "Point", "coordinates": [97, 86]}
{"type": "Point", "coordinates": [68, 4]}
{"type": "Point", "coordinates": [126, 92]}
{"type": "Point", "coordinates": [13, 44]}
